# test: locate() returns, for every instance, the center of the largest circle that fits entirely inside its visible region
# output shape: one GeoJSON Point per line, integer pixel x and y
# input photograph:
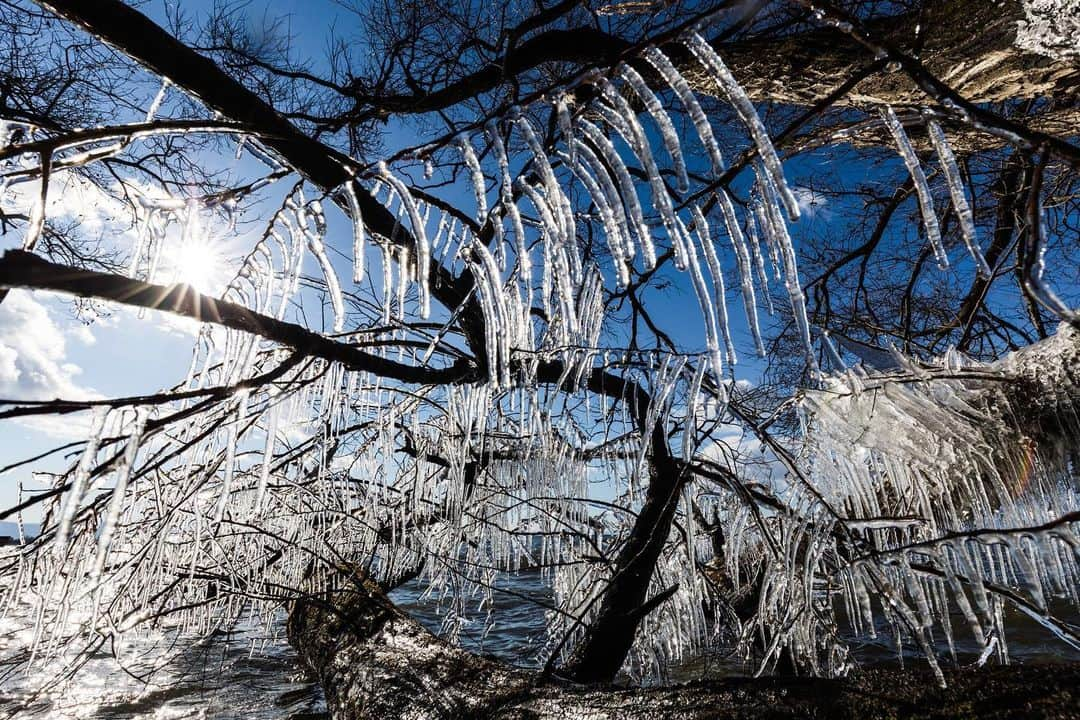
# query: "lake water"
{"type": "Point", "coordinates": [224, 679]}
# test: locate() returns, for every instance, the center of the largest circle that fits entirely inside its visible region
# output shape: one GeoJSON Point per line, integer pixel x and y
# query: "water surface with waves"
{"type": "Point", "coordinates": [254, 674]}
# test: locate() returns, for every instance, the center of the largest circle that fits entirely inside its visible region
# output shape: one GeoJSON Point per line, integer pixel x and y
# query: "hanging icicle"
{"type": "Point", "coordinates": [922, 187]}
{"type": "Point", "coordinates": [745, 267]}
{"type": "Point", "coordinates": [358, 231]}
{"type": "Point", "coordinates": [668, 134]}
{"type": "Point", "coordinates": [958, 194]}
{"type": "Point", "coordinates": [738, 98]}
{"type": "Point", "coordinates": [423, 250]}
{"type": "Point", "coordinates": [678, 83]}
{"type": "Point", "coordinates": [476, 174]}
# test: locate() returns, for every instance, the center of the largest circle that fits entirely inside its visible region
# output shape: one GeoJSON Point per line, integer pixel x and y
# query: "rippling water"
{"type": "Point", "coordinates": [224, 679]}
{"type": "Point", "coordinates": [219, 679]}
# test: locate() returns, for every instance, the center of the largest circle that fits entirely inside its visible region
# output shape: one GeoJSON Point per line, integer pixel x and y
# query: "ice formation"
{"type": "Point", "coordinates": [922, 187]}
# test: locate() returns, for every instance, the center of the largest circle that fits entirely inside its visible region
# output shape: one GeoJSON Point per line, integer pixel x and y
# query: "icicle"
{"type": "Point", "coordinates": [759, 262]}
{"type": "Point", "coordinates": [612, 232]}
{"type": "Point", "coordinates": [668, 133]}
{"type": "Point", "coordinates": [476, 174]}
{"type": "Point", "coordinates": [830, 350]}
{"type": "Point", "coordinates": [958, 194]}
{"type": "Point", "coordinates": [1034, 280]}
{"type": "Point", "coordinates": [746, 271]}
{"type": "Point", "coordinates": [36, 223]}
{"type": "Point", "coordinates": [158, 99]}
{"type": "Point", "coordinates": [549, 235]}
{"type": "Point", "coordinates": [738, 98]}
{"type": "Point", "coordinates": [423, 250]}
{"type": "Point", "coordinates": [524, 257]}
{"type": "Point", "coordinates": [566, 125]}
{"type": "Point", "coordinates": [626, 185]}
{"type": "Point", "coordinates": [590, 162]}
{"type": "Point", "coordinates": [640, 143]}
{"type": "Point", "coordinates": [922, 188]}
{"type": "Point", "coordinates": [268, 449]}
{"type": "Point", "coordinates": [118, 500]}
{"type": "Point", "coordinates": [777, 229]}
{"type": "Point", "coordinates": [225, 493]}
{"type": "Point", "coordinates": [333, 287]}
{"type": "Point", "coordinates": [686, 96]}
{"type": "Point", "coordinates": [498, 148]}
{"type": "Point", "coordinates": [701, 225]}
{"type": "Point", "coordinates": [691, 414]}
{"type": "Point", "coordinates": [506, 196]}
{"type": "Point", "coordinates": [708, 311]}
{"type": "Point", "coordinates": [403, 280]}
{"type": "Point", "coordinates": [359, 234]}
{"type": "Point", "coordinates": [388, 280]}
{"type": "Point", "coordinates": [497, 325]}
{"type": "Point", "coordinates": [78, 482]}
{"type": "Point", "coordinates": [565, 214]}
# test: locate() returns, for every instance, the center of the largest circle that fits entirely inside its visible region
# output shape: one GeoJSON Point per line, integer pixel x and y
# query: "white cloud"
{"type": "Point", "coordinates": [33, 353]}
{"type": "Point", "coordinates": [83, 334]}
{"type": "Point", "coordinates": [9, 369]}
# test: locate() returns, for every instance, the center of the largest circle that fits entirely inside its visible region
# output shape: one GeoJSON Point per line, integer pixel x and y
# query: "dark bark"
{"type": "Point", "coordinates": [969, 45]}
{"type": "Point", "coordinates": [376, 663]}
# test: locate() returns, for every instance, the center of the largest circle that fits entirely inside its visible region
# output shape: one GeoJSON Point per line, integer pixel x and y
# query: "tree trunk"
{"type": "Point", "coordinates": [376, 663]}
{"type": "Point", "coordinates": [970, 45]}
{"type": "Point", "coordinates": [611, 634]}
{"type": "Point", "coordinates": [977, 47]}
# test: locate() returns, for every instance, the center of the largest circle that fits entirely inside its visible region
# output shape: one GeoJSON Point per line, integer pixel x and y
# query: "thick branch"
{"type": "Point", "coordinates": [26, 270]}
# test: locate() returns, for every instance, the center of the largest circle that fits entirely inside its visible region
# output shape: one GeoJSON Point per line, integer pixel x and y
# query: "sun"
{"type": "Point", "coordinates": [198, 262]}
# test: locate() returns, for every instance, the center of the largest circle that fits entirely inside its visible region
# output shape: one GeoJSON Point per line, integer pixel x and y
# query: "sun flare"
{"type": "Point", "coordinates": [199, 263]}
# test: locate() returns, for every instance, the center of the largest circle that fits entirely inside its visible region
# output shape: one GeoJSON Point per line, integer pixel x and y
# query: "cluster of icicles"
{"type": "Point", "coordinates": [509, 277]}
{"type": "Point", "coordinates": [185, 516]}
{"type": "Point", "coordinates": [945, 505]}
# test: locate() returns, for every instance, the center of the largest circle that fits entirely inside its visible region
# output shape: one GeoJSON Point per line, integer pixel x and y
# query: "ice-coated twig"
{"type": "Point", "coordinates": [668, 133]}
{"type": "Point", "coordinates": [612, 231]}
{"type": "Point", "coordinates": [159, 98]}
{"type": "Point", "coordinates": [708, 308]}
{"type": "Point", "coordinates": [358, 231]}
{"type": "Point", "coordinates": [626, 186]}
{"type": "Point", "coordinates": [759, 261]}
{"type": "Point", "coordinates": [777, 229]}
{"type": "Point", "coordinates": [423, 250]}
{"type": "Point", "coordinates": [118, 499]}
{"type": "Point", "coordinates": [746, 270]}
{"type": "Point", "coordinates": [640, 144]}
{"type": "Point", "coordinates": [564, 213]}
{"type": "Point", "coordinates": [712, 260]}
{"type": "Point", "coordinates": [74, 496]}
{"type": "Point", "coordinates": [318, 249]}
{"type": "Point", "coordinates": [590, 162]}
{"type": "Point", "coordinates": [566, 125]}
{"type": "Point", "coordinates": [476, 174]}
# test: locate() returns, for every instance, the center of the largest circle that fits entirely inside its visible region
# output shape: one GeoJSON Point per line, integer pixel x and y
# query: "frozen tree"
{"type": "Point", "coordinates": [497, 382]}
